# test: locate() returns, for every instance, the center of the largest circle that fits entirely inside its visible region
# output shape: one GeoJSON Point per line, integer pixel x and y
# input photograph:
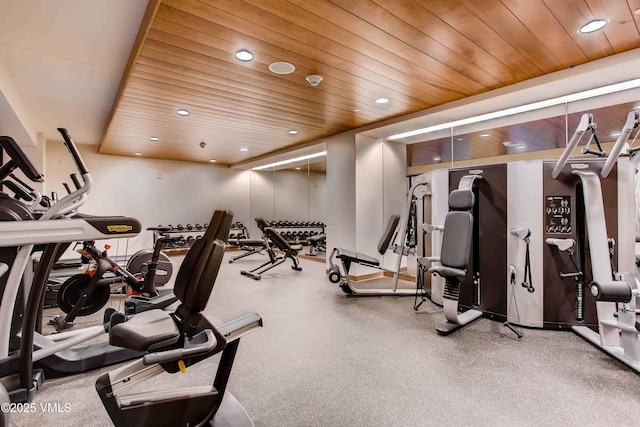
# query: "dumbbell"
{"type": "Point", "coordinates": [205, 225]}
{"type": "Point", "coordinates": [180, 227]}
{"type": "Point", "coordinates": [191, 240]}
{"type": "Point", "coordinates": [198, 227]}
{"type": "Point", "coordinates": [189, 227]}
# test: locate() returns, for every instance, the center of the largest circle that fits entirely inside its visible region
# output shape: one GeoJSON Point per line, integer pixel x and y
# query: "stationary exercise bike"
{"type": "Point", "coordinates": [86, 293]}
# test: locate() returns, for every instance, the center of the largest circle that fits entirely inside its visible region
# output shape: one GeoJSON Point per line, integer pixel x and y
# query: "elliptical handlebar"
{"type": "Point", "coordinates": [69, 204]}
{"type": "Point", "coordinates": [73, 150]}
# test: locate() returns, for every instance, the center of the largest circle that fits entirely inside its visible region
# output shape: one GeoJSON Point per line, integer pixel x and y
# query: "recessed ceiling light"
{"type": "Point", "coordinates": [244, 55]}
{"type": "Point", "coordinates": [154, 138]}
{"type": "Point", "coordinates": [484, 135]}
{"type": "Point", "coordinates": [507, 143]}
{"type": "Point", "coordinates": [137, 153]}
{"type": "Point", "coordinates": [614, 134]}
{"type": "Point", "coordinates": [297, 169]}
{"type": "Point", "coordinates": [293, 132]}
{"type": "Point", "coordinates": [182, 112]}
{"type": "Point", "coordinates": [281, 68]}
{"type": "Point", "coordinates": [592, 26]}
{"type": "Point", "coordinates": [637, 11]}
{"type": "Point", "coordinates": [382, 100]}
{"type": "Point", "coordinates": [244, 149]}
{"type": "Point", "coordinates": [437, 159]}
{"type": "Point", "coordinates": [519, 147]}
{"type": "Point", "coordinates": [355, 110]}
{"type": "Point", "coordinates": [212, 161]}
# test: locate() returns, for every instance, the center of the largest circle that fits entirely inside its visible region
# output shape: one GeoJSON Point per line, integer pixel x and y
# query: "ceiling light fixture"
{"type": "Point", "coordinates": [244, 55]}
{"type": "Point", "coordinates": [591, 93]}
{"type": "Point", "coordinates": [182, 112]}
{"type": "Point", "coordinates": [592, 26]}
{"type": "Point", "coordinates": [212, 160]}
{"type": "Point", "coordinates": [244, 149]}
{"type": "Point", "coordinates": [286, 162]}
{"type": "Point", "coordinates": [614, 134]}
{"type": "Point", "coordinates": [137, 153]}
{"type": "Point", "coordinates": [293, 132]}
{"type": "Point", "coordinates": [382, 100]}
{"type": "Point", "coordinates": [637, 11]}
{"type": "Point", "coordinates": [154, 138]}
{"type": "Point", "coordinates": [485, 135]}
{"type": "Point", "coordinates": [297, 169]}
{"type": "Point", "coordinates": [437, 159]}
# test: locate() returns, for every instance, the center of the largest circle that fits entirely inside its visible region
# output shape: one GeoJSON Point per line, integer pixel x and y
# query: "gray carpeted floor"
{"type": "Point", "coordinates": [323, 359]}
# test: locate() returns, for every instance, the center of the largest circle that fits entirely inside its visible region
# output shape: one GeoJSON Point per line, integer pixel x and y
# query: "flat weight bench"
{"type": "Point", "coordinates": [249, 246]}
{"type": "Point", "coordinates": [274, 241]}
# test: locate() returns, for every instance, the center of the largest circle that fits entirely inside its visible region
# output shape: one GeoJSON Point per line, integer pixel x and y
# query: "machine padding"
{"type": "Point", "coordinates": [456, 240]}
{"type": "Point", "coordinates": [447, 271]}
{"type": "Point", "coordinates": [615, 291]}
{"type": "Point", "coordinates": [357, 257]}
{"type": "Point", "coordinates": [145, 331]}
{"type": "Point", "coordinates": [461, 200]}
{"type": "Point", "coordinates": [383, 245]}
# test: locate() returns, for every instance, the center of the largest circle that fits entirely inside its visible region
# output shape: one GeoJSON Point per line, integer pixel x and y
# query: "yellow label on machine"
{"type": "Point", "coordinates": [119, 228]}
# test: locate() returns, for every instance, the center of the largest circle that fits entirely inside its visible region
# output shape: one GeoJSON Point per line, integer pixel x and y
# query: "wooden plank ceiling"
{"type": "Point", "coordinates": [416, 53]}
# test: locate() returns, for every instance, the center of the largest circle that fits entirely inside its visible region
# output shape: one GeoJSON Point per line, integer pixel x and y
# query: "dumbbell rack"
{"type": "Point", "coordinates": [238, 231]}
{"type": "Point", "coordinates": [189, 237]}
{"type": "Point", "coordinates": [298, 232]}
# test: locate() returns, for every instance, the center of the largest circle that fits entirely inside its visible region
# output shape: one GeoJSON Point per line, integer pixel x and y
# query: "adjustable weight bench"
{"type": "Point", "coordinates": [275, 241]}
{"type": "Point", "coordinates": [249, 246]}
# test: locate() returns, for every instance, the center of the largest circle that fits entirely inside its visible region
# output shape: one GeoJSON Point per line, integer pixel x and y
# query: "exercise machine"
{"type": "Point", "coordinates": [20, 232]}
{"type": "Point", "coordinates": [397, 237]}
{"type": "Point", "coordinates": [174, 342]}
{"type": "Point", "coordinates": [317, 244]}
{"type": "Point", "coordinates": [616, 293]}
{"type": "Point", "coordinates": [274, 241]}
{"type": "Point", "coordinates": [86, 293]}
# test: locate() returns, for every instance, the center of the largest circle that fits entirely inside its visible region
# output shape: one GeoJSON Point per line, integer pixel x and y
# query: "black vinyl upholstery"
{"type": "Point", "coordinates": [457, 236]}
{"type": "Point", "coordinates": [388, 234]}
{"type": "Point", "coordinates": [155, 329]}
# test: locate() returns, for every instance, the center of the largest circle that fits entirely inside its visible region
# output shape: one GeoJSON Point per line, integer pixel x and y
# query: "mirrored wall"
{"type": "Point", "coordinates": [293, 198]}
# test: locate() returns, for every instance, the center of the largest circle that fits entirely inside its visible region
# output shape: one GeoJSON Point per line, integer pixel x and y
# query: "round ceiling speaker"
{"type": "Point", "coordinates": [282, 68]}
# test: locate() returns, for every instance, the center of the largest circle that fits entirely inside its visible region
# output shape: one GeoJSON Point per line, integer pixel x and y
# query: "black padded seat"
{"type": "Point", "coordinates": [357, 258]}
{"type": "Point", "coordinates": [145, 331]}
{"type": "Point", "coordinates": [447, 271]}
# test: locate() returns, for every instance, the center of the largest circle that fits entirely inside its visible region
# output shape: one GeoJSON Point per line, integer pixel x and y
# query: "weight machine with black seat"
{"type": "Point", "coordinates": [399, 236]}
{"type": "Point", "coordinates": [274, 241]}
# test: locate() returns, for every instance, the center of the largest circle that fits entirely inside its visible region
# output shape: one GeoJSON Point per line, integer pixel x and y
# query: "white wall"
{"type": "Point", "coordinates": [153, 191]}
{"type": "Point", "coordinates": [171, 192]}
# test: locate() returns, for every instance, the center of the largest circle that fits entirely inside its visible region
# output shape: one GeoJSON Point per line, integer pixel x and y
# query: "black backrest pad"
{"type": "Point", "coordinates": [461, 200]}
{"type": "Point", "coordinates": [278, 240]}
{"type": "Point", "coordinates": [388, 234]}
{"type": "Point", "coordinates": [20, 159]}
{"type": "Point", "coordinates": [262, 224]}
{"type": "Point", "coordinates": [456, 239]}
{"type": "Point", "coordinates": [199, 270]}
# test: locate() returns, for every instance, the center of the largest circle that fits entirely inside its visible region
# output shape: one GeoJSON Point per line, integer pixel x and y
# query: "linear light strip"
{"type": "Point", "coordinates": [591, 93]}
{"type": "Point", "coordinates": [286, 162]}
